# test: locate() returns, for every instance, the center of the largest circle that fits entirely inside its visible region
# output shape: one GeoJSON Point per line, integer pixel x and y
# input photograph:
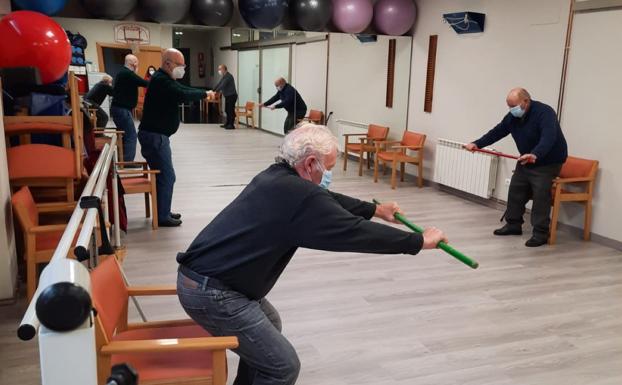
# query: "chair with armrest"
{"type": "Point", "coordinates": [162, 352]}
{"type": "Point", "coordinates": [575, 171]}
{"type": "Point", "coordinates": [141, 181]}
{"type": "Point", "coordinates": [366, 145]}
{"type": "Point", "coordinates": [247, 112]}
{"type": "Point", "coordinates": [395, 152]}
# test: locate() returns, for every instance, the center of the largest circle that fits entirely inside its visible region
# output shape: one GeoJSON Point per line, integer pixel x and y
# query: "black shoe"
{"type": "Point", "coordinates": [175, 215]}
{"type": "Point", "coordinates": [171, 222]}
{"type": "Point", "coordinates": [229, 128]}
{"type": "Point", "coordinates": [508, 230]}
{"type": "Point", "coordinates": [223, 125]}
{"type": "Point", "coordinates": [536, 241]}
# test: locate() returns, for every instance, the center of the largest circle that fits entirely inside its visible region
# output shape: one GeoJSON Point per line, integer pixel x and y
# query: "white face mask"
{"type": "Point", "coordinates": [220, 72]}
{"type": "Point", "coordinates": [179, 72]}
{"type": "Point", "coordinates": [151, 72]}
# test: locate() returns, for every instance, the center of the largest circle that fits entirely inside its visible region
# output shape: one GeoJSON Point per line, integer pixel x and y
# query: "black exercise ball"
{"type": "Point", "coordinates": [216, 13]}
{"type": "Point", "coordinates": [263, 14]}
{"type": "Point", "coordinates": [165, 11]}
{"type": "Point", "coordinates": [109, 9]}
{"type": "Point", "coordinates": [312, 15]}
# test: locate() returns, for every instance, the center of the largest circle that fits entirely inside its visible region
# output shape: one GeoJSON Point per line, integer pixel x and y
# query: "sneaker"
{"type": "Point", "coordinates": [508, 230]}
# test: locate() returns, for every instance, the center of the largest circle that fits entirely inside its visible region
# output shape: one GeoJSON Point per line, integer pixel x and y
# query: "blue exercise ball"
{"type": "Point", "coordinates": [47, 7]}
{"type": "Point", "coordinates": [164, 11]}
{"type": "Point", "coordinates": [263, 14]}
{"type": "Point", "coordinates": [312, 15]}
{"type": "Point", "coordinates": [215, 13]}
{"type": "Point", "coordinates": [109, 9]}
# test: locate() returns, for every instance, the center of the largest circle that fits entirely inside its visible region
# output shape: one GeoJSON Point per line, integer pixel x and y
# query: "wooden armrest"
{"type": "Point", "coordinates": [47, 228]}
{"type": "Point", "coordinates": [240, 109]}
{"type": "Point", "coordinates": [572, 180]}
{"type": "Point", "coordinates": [56, 207]}
{"type": "Point", "coordinates": [152, 290]}
{"type": "Point", "coordinates": [137, 172]}
{"type": "Point", "coordinates": [106, 131]}
{"type": "Point", "coordinates": [408, 147]}
{"type": "Point", "coordinates": [170, 345]}
{"type": "Point", "coordinates": [388, 141]}
{"type": "Point", "coordinates": [135, 162]}
{"type": "Point", "coordinates": [161, 324]}
{"type": "Point", "coordinates": [354, 134]}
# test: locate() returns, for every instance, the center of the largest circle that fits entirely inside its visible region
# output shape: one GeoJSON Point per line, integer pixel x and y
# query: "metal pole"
{"type": "Point", "coordinates": [115, 200]}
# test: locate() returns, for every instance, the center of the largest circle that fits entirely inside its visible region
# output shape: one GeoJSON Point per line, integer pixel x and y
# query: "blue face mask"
{"type": "Point", "coordinates": [327, 177]}
{"type": "Point", "coordinates": [517, 111]}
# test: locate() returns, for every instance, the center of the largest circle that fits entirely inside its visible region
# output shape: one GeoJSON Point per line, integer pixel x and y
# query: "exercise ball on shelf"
{"type": "Point", "coordinates": [47, 7]}
{"type": "Point", "coordinates": [352, 16]}
{"type": "Point", "coordinates": [263, 14]}
{"type": "Point", "coordinates": [394, 17]}
{"type": "Point", "coordinates": [164, 11]}
{"type": "Point", "coordinates": [109, 9]}
{"type": "Point", "coordinates": [216, 13]}
{"type": "Point", "coordinates": [312, 15]}
{"type": "Point", "coordinates": [32, 39]}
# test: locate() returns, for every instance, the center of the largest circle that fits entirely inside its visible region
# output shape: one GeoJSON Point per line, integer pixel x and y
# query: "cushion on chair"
{"type": "Point", "coordinates": [40, 161]}
{"type": "Point", "coordinates": [576, 167]}
{"type": "Point", "coordinates": [387, 155]}
{"type": "Point", "coordinates": [48, 241]}
{"type": "Point", "coordinates": [133, 181]}
{"type": "Point", "coordinates": [23, 198]}
{"type": "Point", "coordinates": [109, 294]}
{"type": "Point", "coordinates": [158, 366]}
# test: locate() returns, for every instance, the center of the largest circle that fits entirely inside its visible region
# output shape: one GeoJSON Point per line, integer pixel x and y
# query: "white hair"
{"type": "Point", "coordinates": [307, 140]}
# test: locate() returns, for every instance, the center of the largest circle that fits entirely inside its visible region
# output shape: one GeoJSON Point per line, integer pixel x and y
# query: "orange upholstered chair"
{"type": "Point", "coordinates": [366, 145]}
{"type": "Point", "coordinates": [315, 117]}
{"type": "Point", "coordinates": [574, 171]}
{"type": "Point", "coordinates": [162, 352]}
{"type": "Point", "coordinates": [247, 112]}
{"type": "Point", "coordinates": [40, 241]}
{"type": "Point", "coordinates": [142, 181]}
{"type": "Point", "coordinates": [395, 152]}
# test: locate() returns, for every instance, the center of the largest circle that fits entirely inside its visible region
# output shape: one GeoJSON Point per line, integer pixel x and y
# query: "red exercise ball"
{"type": "Point", "coordinates": [32, 39]}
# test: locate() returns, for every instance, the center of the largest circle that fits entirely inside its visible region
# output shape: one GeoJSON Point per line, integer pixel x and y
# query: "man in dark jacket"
{"type": "Point", "coordinates": [124, 100]}
{"type": "Point", "coordinates": [95, 97]}
{"type": "Point", "coordinates": [226, 85]}
{"type": "Point", "coordinates": [541, 143]}
{"type": "Point", "coordinates": [291, 100]}
{"type": "Point", "coordinates": [161, 120]}
{"type": "Point", "coordinates": [230, 267]}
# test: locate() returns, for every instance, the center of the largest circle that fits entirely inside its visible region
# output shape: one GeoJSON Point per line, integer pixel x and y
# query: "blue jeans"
{"type": "Point", "coordinates": [156, 149]}
{"type": "Point", "coordinates": [123, 119]}
{"type": "Point", "coordinates": [266, 356]}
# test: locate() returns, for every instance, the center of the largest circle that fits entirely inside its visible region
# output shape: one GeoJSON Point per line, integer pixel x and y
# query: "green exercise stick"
{"type": "Point", "coordinates": [441, 245]}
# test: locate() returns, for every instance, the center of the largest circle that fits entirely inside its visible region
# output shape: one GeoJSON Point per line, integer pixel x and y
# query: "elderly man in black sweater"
{"type": "Point", "coordinates": [290, 100]}
{"type": "Point", "coordinates": [234, 262]}
{"type": "Point", "coordinates": [161, 120]}
{"type": "Point", "coordinates": [541, 143]}
{"type": "Point", "coordinates": [96, 96]}
{"type": "Point", "coordinates": [226, 85]}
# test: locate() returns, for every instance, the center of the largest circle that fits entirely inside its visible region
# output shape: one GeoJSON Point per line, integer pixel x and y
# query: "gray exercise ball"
{"type": "Point", "coordinates": [216, 13]}
{"type": "Point", "coordinates": [109, 9]}
{"type": "Point", "coordinates": [165, 11]}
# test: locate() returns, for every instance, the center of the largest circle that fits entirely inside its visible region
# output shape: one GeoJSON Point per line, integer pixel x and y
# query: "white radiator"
{"type": "Point", "coordinates": [471, 172]}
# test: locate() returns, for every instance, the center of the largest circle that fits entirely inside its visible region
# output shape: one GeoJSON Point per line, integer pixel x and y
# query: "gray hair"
{"type": "Point", "coordinates": [307, 140]}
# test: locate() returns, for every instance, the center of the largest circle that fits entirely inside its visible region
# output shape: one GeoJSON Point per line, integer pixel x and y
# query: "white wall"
{"type": "Point", "coordinates": [102, 31]}
{"type": "Point", "coordinates": [591, 113]}
{"type": "Point", "coordinates": [357, 76]}
{"type": "Point", "coordinates": [522, 46]}
{"type": "Point", "coordinates": [196, 41]}
{"type": "Point", "coordinates": [309, 73]}
{"type": "Point", "coordinates": [218, 38]}
{"type": "Point", "coordinates": [8, 262]}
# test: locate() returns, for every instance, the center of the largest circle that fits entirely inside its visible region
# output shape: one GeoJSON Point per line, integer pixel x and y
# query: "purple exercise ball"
{"type": "Point", "coordinates": [394, 17]}
{"type": "Point", "coordinates": [352, 16]}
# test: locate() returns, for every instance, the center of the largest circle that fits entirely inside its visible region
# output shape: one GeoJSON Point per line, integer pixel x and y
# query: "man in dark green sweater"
{"type": "Point", "coordinates": [124, 100]}
{"type": "Point", "coordinates": [161, 120]}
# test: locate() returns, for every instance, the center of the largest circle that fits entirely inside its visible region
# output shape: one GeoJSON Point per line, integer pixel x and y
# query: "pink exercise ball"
{"type": "Point", "coordinates": [352, 16]}
{"type": "Point", "coordinates": [394, 17]}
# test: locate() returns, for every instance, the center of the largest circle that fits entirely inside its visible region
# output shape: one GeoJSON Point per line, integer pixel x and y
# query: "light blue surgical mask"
{"type": "Point", "coordinates": [517, 111]}
{"type": "Point", "coordinates": [327, 177]}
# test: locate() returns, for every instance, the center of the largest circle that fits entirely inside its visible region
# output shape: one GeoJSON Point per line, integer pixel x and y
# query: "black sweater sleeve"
{"type": "Point", "coordinates": [186, 94]}
{"type": "Point", "coordinates": [499, 132]}
{"type": "Point", "coordinates": [272, 100]}
{"type": "Point", "coordinates": [355, 206]}
{"type": "Point", "coordinates": [322, 223]}
{"type": "Point", "coordinates": [137, 80]}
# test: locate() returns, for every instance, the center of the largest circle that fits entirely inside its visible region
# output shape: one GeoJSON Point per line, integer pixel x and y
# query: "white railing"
{"type": "Point", "coordinates": [63, 339]}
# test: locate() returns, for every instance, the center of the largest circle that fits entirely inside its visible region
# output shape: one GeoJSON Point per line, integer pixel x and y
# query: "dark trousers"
{"type": "Point", "coordinates": [532, 183]}
{"type": "Point", "coordinates": [102, 117]}
{"type": "Point", "coordinates": [290, 121]}
{"type": "Point", "coordinates": [230, 109]}
{"type": "Point", "coordinates": [124, 121]}
{"type": "Point", "coordinates": [156, 149]}
{"type": "Point", "coordinates": [266, 356]}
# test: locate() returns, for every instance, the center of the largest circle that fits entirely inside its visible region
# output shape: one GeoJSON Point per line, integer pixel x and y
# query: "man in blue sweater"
{"type": "Point", "coordinates": [290, 100]}
{"type": "Point", "coordinates": [543, 149]}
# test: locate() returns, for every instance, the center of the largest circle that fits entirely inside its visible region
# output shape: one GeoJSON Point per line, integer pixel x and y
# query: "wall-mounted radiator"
{"type": "Point", "coordinates": [471, 172]}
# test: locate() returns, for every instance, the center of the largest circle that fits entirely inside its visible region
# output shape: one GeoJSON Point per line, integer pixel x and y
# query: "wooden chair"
{"type": "Point", "coordinates": [142, 181]}
{"type": "Point", "coordinates": [315, 117]}
{"type": "Point", "coordinates": [574, 171]}
{"type": "Point", "coordinates": [102, 138]}
{"type": "Point", "coordinates": [162, 352]}
{"type": "Point", "coordinates": [366, 145]}
{"type": "Point", "coordinates": [40, 241]}
{"type": "Point", "coordinates": [397, 154]}
{"type": "Point", "coordinates": [247, 112]}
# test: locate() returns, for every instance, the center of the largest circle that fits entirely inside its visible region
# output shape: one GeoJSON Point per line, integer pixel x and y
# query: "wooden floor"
{"type": "Point", "coordinates": [545, 316]}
